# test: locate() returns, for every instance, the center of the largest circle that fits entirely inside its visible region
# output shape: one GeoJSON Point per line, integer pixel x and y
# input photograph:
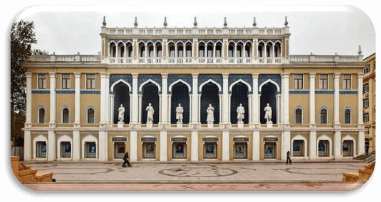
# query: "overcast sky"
{"type": "Point", "coordinates": [320, 30]}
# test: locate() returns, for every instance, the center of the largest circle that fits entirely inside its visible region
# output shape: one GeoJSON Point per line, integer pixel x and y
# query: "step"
{"type": "Point", "coordinates": [350, 177]}
{"type": "Point", "coordinates": [44, 177]}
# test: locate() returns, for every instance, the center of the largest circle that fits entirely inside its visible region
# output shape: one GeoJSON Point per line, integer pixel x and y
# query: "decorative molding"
{"type": "Point", "coordinates": [41, 91]}
{"type": "Point", "coordinates": [324, 92]}
{"type": "Point", "coordinates": [182, 78]}
{"type": "Point", "coordinates": [273, 41]}
{"type": "Point", "coordinates": [117, 41]}
{"type": "Point", "coordinates": [90, 92]}
{"type": "Point", "coordinates": [206, 41]}
{"type": "Point", "coordinates": [146, 78]}
{"type": "Point", "coordinates": [350, 114]}
{"type": "Point", "coordinates": [244, 41]}
{"type": "Point", "coordinates": [243, 78]}
{"type": "Point", "coordinates": [146, 41]}
{"type": "Point", "coordinates": [213, 78]}
{"type": "Point", "coordinates": [321, 108]}
{"type": "Point", "coordinates": [296, 108]}
{"type": "Point", "coordinates": [275, 78]}
{"type": "Point", "coordinates": [299, 92]}
{"type": "Point", "coordinates": [62, 91]}
{"type": "Point", "coordinates": [348, 92]}
{"type": "Point", "coordinates": [183, 41]}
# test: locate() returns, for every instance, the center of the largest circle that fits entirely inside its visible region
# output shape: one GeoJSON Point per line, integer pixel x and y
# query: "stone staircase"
{"type": "Point", "coordinates": [361, 176]}
{"type": "Point", "coordinates": [26, 174]}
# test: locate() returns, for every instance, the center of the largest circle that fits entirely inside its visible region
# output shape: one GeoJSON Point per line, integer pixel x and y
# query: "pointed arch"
{"type": "Point", "coordinates": [148, 81]}
{"type": "Point", "coordinates": [270, 81]}
{"type": "Point", "coordinates": [179, 81]}
{"type": "Point", "coordinates": [64, 138]}
{"type": "Point", "coordinates": [349, 137]}
{"type": "Point", "coordinates": [210, 81]}
{"type": "Point", "coordinates": [242, 81]}
{"type": "Point", "coordinates": [120, 81]}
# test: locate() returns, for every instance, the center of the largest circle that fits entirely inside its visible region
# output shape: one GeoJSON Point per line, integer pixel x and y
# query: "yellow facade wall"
{"type": "Point", "coordinates": [348, 100]}
{"type": "Point", "coordinates": [301, 100]}
{"type": "Point", "coordinates": [324, 100]}
{"type": "Point", "coordinates": [37, 101]}
{"type": "Point", "coordinates": [278, 145]}
{"type": "Point", "coordinates": [140, 145]}
{"type": "Point", "coordinates": [86, 101]}
{"type": "Point", "coordinates": [111, 149]}
{"type": "Point", "coordinates": [66, 100]}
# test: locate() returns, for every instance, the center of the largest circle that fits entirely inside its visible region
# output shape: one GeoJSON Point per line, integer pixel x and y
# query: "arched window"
{"type": "Point", "coordinates": [90, 115]}
{"type": "Point", "coordinates": [298, 116]}
{"type": "Point", "coordinates": [41, 115]}
{"type": "Point", "coordinates": [65, 115]}
{"type": "Point", "coordinates": [323, 116]}
{"type": "Point", "coordinates": [347, 116]}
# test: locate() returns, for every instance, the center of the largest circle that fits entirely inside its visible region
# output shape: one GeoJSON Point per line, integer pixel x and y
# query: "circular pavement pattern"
{"type": "Point", "coordinates": [198, 171]}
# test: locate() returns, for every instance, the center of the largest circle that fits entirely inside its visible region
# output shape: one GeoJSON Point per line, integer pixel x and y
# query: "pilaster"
{"type": "Point", "coordinates": [285, 96]}
{"type": "Point", "coordinates": [336, 98]}
{"type": "Point", "coordinates": [163, 145]}
{"type": "Point", "coordinates": [312, 100]}
{"type": "Point", "coordinates": [133, 146]}
{"type": "Point", "coordinates": [255, 103]}
{"type": "Point", "coordinates": [225, 99]}
{"type": "Point", "coordinates": [76, 145]}
{"type": "Point", "coordinates": [52, 122]}
{"type": "Point", "coordinates": [360, 101]}
{"type": "Point", "coordinates": [103, 145]}
{"type": "Point", "coordinates": [27, 145]}
{"type": "Point", "coordinates": [194, 145]}
{"type": "Point", "coordinates": [135, 99]}
{"type": "Point", "coordinates": [52, 151]}
{"type": "Point", "coordinates": [103, 111]}
{"type": "Point", "coordinates": [28, 121]}
{"type": "Point", "coordinates": [337, 144]}
{"type": "Point", "coordinates": [195, 100]}
{"type": "Point", "coordinates": [256, 145]}
{"type": "Point", "coordinates": [312, 145]}
{"type": "Point", "coordinates": [225, 145]}
{"type": "Point", "coordinates": [164, 99]}
{"type": "Point", "coordinates": [77, 98]}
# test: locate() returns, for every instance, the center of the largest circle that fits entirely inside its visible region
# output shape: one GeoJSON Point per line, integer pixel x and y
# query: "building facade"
{"type": "Point", "coordinates": [73, 101]}
{"type": "Point", "coordinates": [369, 101]}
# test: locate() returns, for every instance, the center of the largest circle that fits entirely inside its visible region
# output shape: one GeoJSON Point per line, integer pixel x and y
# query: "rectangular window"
{"type": "Point", "coordinates": [298, 81]}
{"type": "Point", "coordinates": [366, 103]}
{"type": "Point", "coordinates": [347, 82]}
{"type": "Point", "coordinates": [323, 82]}
{"type": "Point", "coordinates": [65, 81]}
{"type": "Point", "coordinates": [90, 81]}
{"type": "Point", "coordinates": [41, 81]}
{"type": "Point", "coordinates": [366, 69]}
{"type": "Point", "coordinates": [365, 88]}
{"type": "Point", "coordinates": [366, 117]}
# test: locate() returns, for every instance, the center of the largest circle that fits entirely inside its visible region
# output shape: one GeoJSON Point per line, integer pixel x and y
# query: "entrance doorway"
{"type": "Point", "coordinates": [179, 150]}
{"type": "Point", "coordinates": [119, 150]}
{"type": "Point", "coordinates": [240, 150]}
{"type": "Point", "coordinates": [90, 150]}
{"type": "Point", "coordinates": [149, 150]}
{"type": "Point", "coordinates": [270, 150]}
{"type": "Point", "coordinates": [298, 148]}
{"type": "Point", "coordinates": [210, 150]}
{"type": "Point", "coordinates": [348, 148]}
{"type": "Point", "coordinates": [323, 148]}
{"type": "Point", "coordinates": [40, 149]}
{"type": "Point", "coordinates": [65, 150]}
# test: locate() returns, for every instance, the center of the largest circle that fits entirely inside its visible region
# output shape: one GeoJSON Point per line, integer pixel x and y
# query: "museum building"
{"type": "Point", "coordinates": [243, 97]}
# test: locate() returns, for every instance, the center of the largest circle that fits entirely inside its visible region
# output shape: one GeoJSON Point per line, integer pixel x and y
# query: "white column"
{"type": "Point", "coordinates": [286, 142]}
{"type": "Point", "coordinates": [361, 138]}
{"type": "Point", "coordinates": [28, 106]}
{"type": "Point", "coordinates": [336, 101]}
{"type": "Point", "coordinates": [52, 152]}
{"type": "Point", "coordinates": [164, 99]}
{"type": "Point", "coordinates": [135, 100]}
{"type": "Point", "coordinates": [103, 101]}
{"type": "Point", "coordinates": [140, 107]}
{"type": "Point", "coordinates": [103, 146]}
{"type": "Point", "coordinates": [256, 145]}
{"type": "Point", "coordinates": [312, 100]}
{"type": "Point", "coordinates": [195, 109]}
{"type": "Point", "coordinates": [111, 109]}
{"type": "Point", "coordinates": [163, 145]}
{"type": "Point", "coordinates": [285, 96]}
{"type": "Point", "coordinates": [312, 145]}
{"type": "Point", "coordinates": [248, 112]}
{"type": "Point", "coordinates": [194, 145]}
{"type": "Point", "coordinates": [359, 100]}
{"type": "Point", "coordinates": [77, 117]}
{"type": "Point", "coordinates": [225, 145]}
{"type": "Point", "coordinates": [220, 105]}
{"type": "Point", "coordinates": [255, 107]}
{"type": "Point", "coordinates": [169, 108]}
{"type": "Point", "coordinates": [76, 145]}
{"type": "Point", "coordinates": [225, 99]}
{"type": "Point", "coordinates": [27, 145]}
{"type": "Point", "coordinates": [278, 96]}
{"type": "Point", "coordinates": [133, 146]}
{"type": "Point", "coordinates": [337, 144]}
{"type": "Point", "coordinates": [52, 122]}
{"type": "Point", "coordinates": [107, 98]}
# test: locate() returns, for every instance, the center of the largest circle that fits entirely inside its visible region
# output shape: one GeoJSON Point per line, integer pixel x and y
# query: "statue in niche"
{"type": "Point", "coordinates": [240, 113]}
{"type": "Point", "coordinates": [210, 111]}
{"type": "Point", "coordinates": [268, 113]}
{"type": "Point", "coordinates": [179, 113]}
{"type": "Point", "coordinates": [150, 112]}
{"type": "Point", "coordinates": [121, 111]}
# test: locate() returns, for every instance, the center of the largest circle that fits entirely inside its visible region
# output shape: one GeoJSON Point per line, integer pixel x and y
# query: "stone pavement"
{"type": "Point", "coordinates": [201, 173]}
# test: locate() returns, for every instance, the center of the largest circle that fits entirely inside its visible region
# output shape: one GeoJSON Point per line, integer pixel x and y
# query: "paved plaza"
{"type": "Point", "coordinates": [243, 172]}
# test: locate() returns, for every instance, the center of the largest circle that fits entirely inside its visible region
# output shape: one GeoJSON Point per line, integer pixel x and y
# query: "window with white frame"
{"type": "Point", "coordinates": [323, 81]}
{"type": "Point", "coordinates": [298, 81]}
{"type": "Point", "coordinates": [41, 81]}
{"type": "Point", "coordinates": [90, 81]}
{"type": "Point", "coordinates": [65, 81]}
{"type": "Point", "coordinates": [347, 82]}
{"type": "Point", "coordinates": [324, 116]}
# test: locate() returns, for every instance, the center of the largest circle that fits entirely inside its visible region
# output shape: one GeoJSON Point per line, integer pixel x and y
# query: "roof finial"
{"type": "Point", "coordinates": [285, 22]}
{"type": "Point", "coordinates": [254, 23]}
{"type": "Point", "coordinates": [225, 23]}
{"type": "Point", "coordinates": [359, 50]}
{"type": "Point", "coordinates": [195, 22]}
{"type": "Point", "coordinates": [104, 21]}
{"type": "Point", "coordinates": [136, 22]}
{"type": "Point", "coordinates": [165, 21]}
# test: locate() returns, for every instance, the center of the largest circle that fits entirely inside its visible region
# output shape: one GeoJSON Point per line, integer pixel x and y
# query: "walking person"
{"type": "Point", "coordinates": [288, 158]}
{"type": "Point", "coordinates": [126, 159]}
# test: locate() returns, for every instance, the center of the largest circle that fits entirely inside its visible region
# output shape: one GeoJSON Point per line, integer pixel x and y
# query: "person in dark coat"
{"type": "Point", "coordinates": [126, 159]}
{"type": "Point", "coordinates": [288, 158]}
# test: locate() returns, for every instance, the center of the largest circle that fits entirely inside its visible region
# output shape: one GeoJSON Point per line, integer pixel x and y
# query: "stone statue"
{"type": "Point", "coordinates": [240, 113]}
{"type": "Point", "coordinates": [150, 112]}
{"type": "Point", "coordinates": [210, 111]}
{"type": "Point", "coordinates": [179, 113]}
{"type": "Point", "coordinates": [268, 113]}
{"type": "Point", "coordinates": [121, 111]}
